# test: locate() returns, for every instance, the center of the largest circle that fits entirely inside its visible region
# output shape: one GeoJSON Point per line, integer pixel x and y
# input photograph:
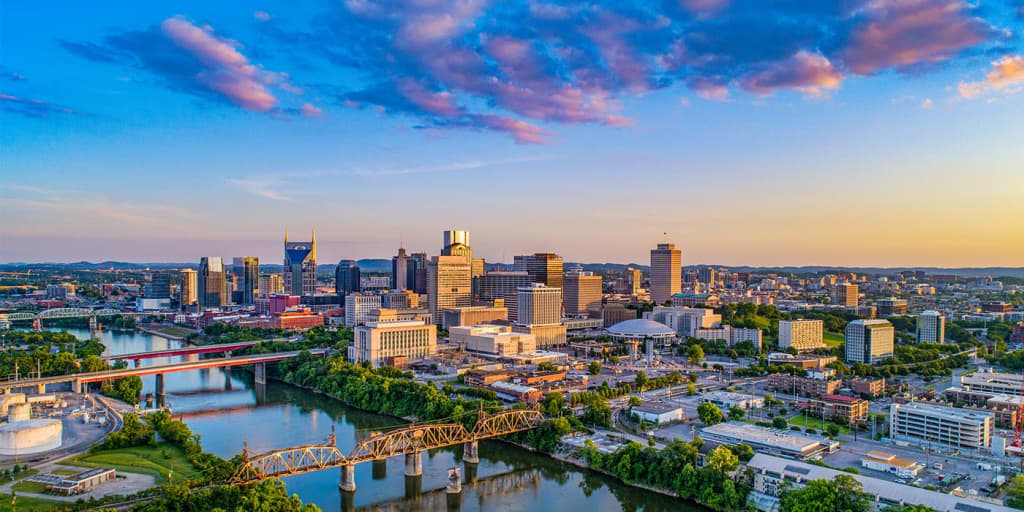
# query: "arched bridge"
{"type": "Point", "coordinates": [61, 313]}
{"type": "Point", "coordinates": [410, 441]}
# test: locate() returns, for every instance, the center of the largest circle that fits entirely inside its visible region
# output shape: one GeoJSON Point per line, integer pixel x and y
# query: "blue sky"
{"type": "Point", "coordinates": [747, 132]}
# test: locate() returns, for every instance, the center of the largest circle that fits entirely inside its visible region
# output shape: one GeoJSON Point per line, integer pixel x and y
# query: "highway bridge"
{"type": "Point", "coordinates": [409, 441]}
{"type": "Point", "coordinates": [189, 350]}
{"type": "Point", "coordinates": [77, 380]}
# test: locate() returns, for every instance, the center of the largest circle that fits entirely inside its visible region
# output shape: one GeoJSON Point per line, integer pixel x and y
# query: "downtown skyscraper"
{"type": "Point", "coordinates": [299, 266]}
{"type": "Point", "coordinates": [211, 292]}
{"type": "Point", "coordinates": [666, 272]}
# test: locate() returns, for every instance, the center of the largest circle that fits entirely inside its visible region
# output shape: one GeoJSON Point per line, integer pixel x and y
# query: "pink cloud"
{"type": "Point", "coordinates": [436, 102]}
{"type": "Point", "coordinates": [261, 15]}
{"type": "Point", "coordinates": [704, 8]}
{"type": "Point", "coordinates": [521, 131]}
{"type": "Point", "coordinates": [901, 33]}
{"type": "Point", "coordinates": [228, 71]}
{"type": "Point", "coordinates": [805, 71]}
{"type": "Point", "coordinates": [311, 110]}
{"type": "Point", "coordinates": [1007, 76]}
{"type": "Point", "coordinates": [712, 89]}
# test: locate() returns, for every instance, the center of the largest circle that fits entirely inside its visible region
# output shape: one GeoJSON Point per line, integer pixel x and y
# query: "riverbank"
{"type": "Point", "coordinates": [170, 332]}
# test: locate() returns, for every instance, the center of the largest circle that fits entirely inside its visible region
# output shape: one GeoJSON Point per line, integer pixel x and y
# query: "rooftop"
{"type": "Point", "coordinates": [641, 328]}
{"type": "Point", "coordinates": [889, 491]}
{"type": "Point", "coordinates": [841, 398]}
{"type": "Point", "coordinates": [767, 436]}
{"type": "Point", "coordinates": [950, 413]}
{"type": "Point", "coordinates": [655, 408]}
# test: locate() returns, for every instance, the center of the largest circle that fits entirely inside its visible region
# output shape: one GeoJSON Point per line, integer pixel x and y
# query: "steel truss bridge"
{"type": "Point", "coordinates": [410, 441]}
{"type": "Point", "coordinates": [61, 313]}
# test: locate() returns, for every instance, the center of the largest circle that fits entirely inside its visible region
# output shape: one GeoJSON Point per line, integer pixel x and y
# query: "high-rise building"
{"type": "Point", "coordinates": [358, 307]}
{"type": "Point", "coordinates": [845, 294]}
{"type": "Point", "coordinates": [951, 427]}
{"type": "Point", "coordinates": [801, 334]}
{"type": "Point", "coordinates": [931, 327]}
{"type": "Point", "coordinates": [666, 272]}
{"type": "Point", "coordinates": [419, 273]}
{"type": "Point", "coordinates": [189, 288]}
{"type": "Point", "coordinates": [449, 283]}
{"type": "Point", "coordinates": [270, 284]}
{"type": "Point", "coordinates": [581, 291]}
{"type": "Point", "coordinates": [455, 236]}
{"type": "Point", "coordinates": [539, 305]}
{"type": "Point", "coordinates": [707, 275]}
{"type": "Point", "coordinates": [211, 282]}
{"type": "Point", "coordinates": [346, 277]}
{"type": "Point", "coordinates": [869, 341]}
{"type": "Point", "coordinates": [158, 286]}
{"type": "Point", "coordinates": [502, 285]}
{"type": "Point", "coordinates": [400, 264]}
{"type": "Point", "coordinates": [635, 280]}
{"type": "Point", "coordinates": [246, 271]}
{"type": "Point", "coordinates": [299, 266]}
{"type": "Point", "coordinates": [544, 267]}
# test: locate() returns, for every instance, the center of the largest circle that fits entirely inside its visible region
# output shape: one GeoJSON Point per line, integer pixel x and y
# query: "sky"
{"type": "Point", "coordinates": [747, 132]}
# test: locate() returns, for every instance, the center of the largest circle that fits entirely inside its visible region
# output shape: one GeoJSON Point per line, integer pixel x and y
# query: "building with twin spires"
{"type": "Point", "coordinates": [299, 266]}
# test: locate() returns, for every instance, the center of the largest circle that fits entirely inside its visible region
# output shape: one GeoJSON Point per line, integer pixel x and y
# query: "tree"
{"type": "Point", "coordinates": [779, 422]}
{"type": "Point", "coordinates": [634, 401]}
{"type": "Point", "coordinates": [832, 429]}
{"type": "Point", "coordinates": [1015, 492]}
{"type": "Point", "coordinates": [709, 413]}
{"type": "Point", "coordinates": [841, 494]}
{"type": "Point", "coordinates": [722, 460]}
{"type": "Point", "coordinates": [641, 380]}
{"type": "Point", "coordinates": [594, 368]}
{"type": "Point", "coordinates": [694, 353]}
{"type": "Point", "coordinates": [736, 412]}
{"type": "Point", "coordinates": [691, 389]}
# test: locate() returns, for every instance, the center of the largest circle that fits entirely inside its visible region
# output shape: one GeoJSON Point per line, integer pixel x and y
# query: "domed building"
{"type": "Point", "coordinates": [641, 329]}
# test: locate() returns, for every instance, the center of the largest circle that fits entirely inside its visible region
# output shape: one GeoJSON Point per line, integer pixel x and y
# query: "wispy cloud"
{"type": "Point", "coordinates": [263, 187]}
{"type": "Point", "coordinates": [448, 167]}
{"type": "Point", "coordinates": [1006, 76]}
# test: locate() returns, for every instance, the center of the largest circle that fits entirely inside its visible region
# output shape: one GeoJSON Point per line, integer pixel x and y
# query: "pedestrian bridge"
{"type": "Point", "coordinates": [410, 441]}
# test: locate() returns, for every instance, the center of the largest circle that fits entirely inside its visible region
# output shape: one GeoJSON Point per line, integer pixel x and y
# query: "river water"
{"type": "Point", "coordinates": [225, 408]}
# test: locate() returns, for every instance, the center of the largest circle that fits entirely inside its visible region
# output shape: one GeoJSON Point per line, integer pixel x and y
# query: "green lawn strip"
{"type": "Point", "coordinates": [141, 459]}
{"type": "Point", "coordinates": [815, 423]}
{"type": "Point", "coordinates": [833, 339]}
{"type": "Point", "coordinates": [172, 331]}
{"type": "Point", "coordinates": [64, 472]}
{"type": "Point", "coordinates": [33, 487]}
{"type": "Point", "coordinates": [29, 504]}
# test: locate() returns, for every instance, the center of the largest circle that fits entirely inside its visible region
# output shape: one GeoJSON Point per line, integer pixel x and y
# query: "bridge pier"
{"type": "Point", "coordinates": [161, 396]}
{"type": "Point", "coordinates": [379, 469]}
{"type": "Point", "coordinates": [414, 464]}
{"type": "Point", "coordinates": [41, 389]}
{"type": "Point", "coordinates": [454, 481]}
{"type": "Point", "coordinates": [348, 478]}
{"type": "Point", "coordinates": [260, 373]}
{"type": "Point", "coordinates": [471, 452]}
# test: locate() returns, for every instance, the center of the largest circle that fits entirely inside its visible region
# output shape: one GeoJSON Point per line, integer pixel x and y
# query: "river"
{"type": "Point", "coordinates": [225, 409]}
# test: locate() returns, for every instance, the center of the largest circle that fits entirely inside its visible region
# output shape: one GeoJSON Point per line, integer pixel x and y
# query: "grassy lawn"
{"type": "Point", "coordinates": [27, 504]}
{"type": "Point", "coordinates": [21, 474]}
{"type": "Point", "coordinates": [171, 330]}
{"type": "Point", "coordinates": [815, 423]}
{"type": "Point", "coordinates": [833, 339]}
{"type": "Point", "coordinates": [34, 487]}
{"type": "Point", "coordinates": [141, 459]}
{"type": "Point", "coordinates": [65, 472]}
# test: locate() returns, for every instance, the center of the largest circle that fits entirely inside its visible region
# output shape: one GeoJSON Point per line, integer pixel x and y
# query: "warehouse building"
{"type": "Point", "coordinates": [778, 442]}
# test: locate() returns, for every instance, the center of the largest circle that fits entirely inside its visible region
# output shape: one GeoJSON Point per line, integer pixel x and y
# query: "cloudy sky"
{"type": "Point", "coordinates": [847, 132]}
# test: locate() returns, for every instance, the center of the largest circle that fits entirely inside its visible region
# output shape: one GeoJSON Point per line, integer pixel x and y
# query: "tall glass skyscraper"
{"type": "Point", "coordinates": [299, 266]}
{"type": "Point", "coordinates": [211, 282]}
{"type": "Point", "coordinates": [346, 277]}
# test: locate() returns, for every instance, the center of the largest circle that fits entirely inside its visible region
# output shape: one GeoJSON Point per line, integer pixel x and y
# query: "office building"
{"type": "Point", "coordinates": [270, 284]}
{"type": "Point", "coordinates": [189, 288]}
{"type": "Point", "coordinates": [400, 315]}
{"type": "Point", "coordinates": [581, 291]}
{"type": "Point", "coordinates": [613, 313]}
{"type": "Point", "coordinates": [775, 475]}
{"type": "Point", "coordinates": [869, 341]}
{"type": "Point", "coordinates": [802, 335]}
{"type": "Point", "coordinates": [400, 299]}
{"type": "Point", "coordinates": [449, 283]}
{"type": "Point", "coordinates": [666, 273]}
{"type": "Point", "coordinates": [420, 276]}
{"type": "Point", "coordinates": [158, 286]}
{"type": "Point", "coordinates": [473, 315]}
{"type": "Point", "coordinates": [211, 282]}
{"type": "Point", "coordinates": [707, 275]}
{"type": "Point", "coordinates": [492, 340]}
{"type": "Point", "coordinates": [942, 426]}
{"type": "Point", "coordinates": [634, 281]}
{"type": "Point", "coordinates": [346, 278]}
{"type": "Point", "coordinates": [685, 320]}
{"type": "Point", "coordinates": [728, 399]}
{"type": "Point", "coordinates": [539, 305]}
{"type": "Point", "coordinates": [766, 440]}
{"type": "Point", "coordinates": [392, 343]}
{"type": "Point", "coordinates": [891, 307]}
{"type": "Point", "coordinates": [502, 285]}
{"type": "Point", "coordinates": [657, 413]}
{"type": "Point", "coordinates": [456, 243]}
{"type": "Point", "coordinates": [454, 236]}
{"type": "Point", "coordinates": [403, 271]}
{"type": "Point", "coordinates": [246, 271]}
{"type": "Point", "coordinates": [847, 409]}
{"type": "Point", "coordinates": [931, 327]}
{"type": "Point", "coordinates": [358, 307]}
{"type": "Point", "coordinates": [543, 267]}
{"type": "Point", "coordinates": [845, 294]}
{"type": "Point", "coordinates": [300, 266]}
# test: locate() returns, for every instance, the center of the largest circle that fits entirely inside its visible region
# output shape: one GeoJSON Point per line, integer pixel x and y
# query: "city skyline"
{"type": "Point", "coordinates": [876, 134]}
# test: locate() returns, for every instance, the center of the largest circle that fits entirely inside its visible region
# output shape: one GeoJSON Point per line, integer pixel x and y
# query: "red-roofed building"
{"type": "Point", "coordinates": [296, 320]}
{"type": "Point", "coordinates": [849, 408]}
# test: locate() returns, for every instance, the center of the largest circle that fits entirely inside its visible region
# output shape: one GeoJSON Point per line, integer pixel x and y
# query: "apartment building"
{"type": "Point", "coordinates": [848, 408]}
{"type": "Point", "coordinates": [802, 335]}
{"type": "Point", "coordinates": [869, 341]}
